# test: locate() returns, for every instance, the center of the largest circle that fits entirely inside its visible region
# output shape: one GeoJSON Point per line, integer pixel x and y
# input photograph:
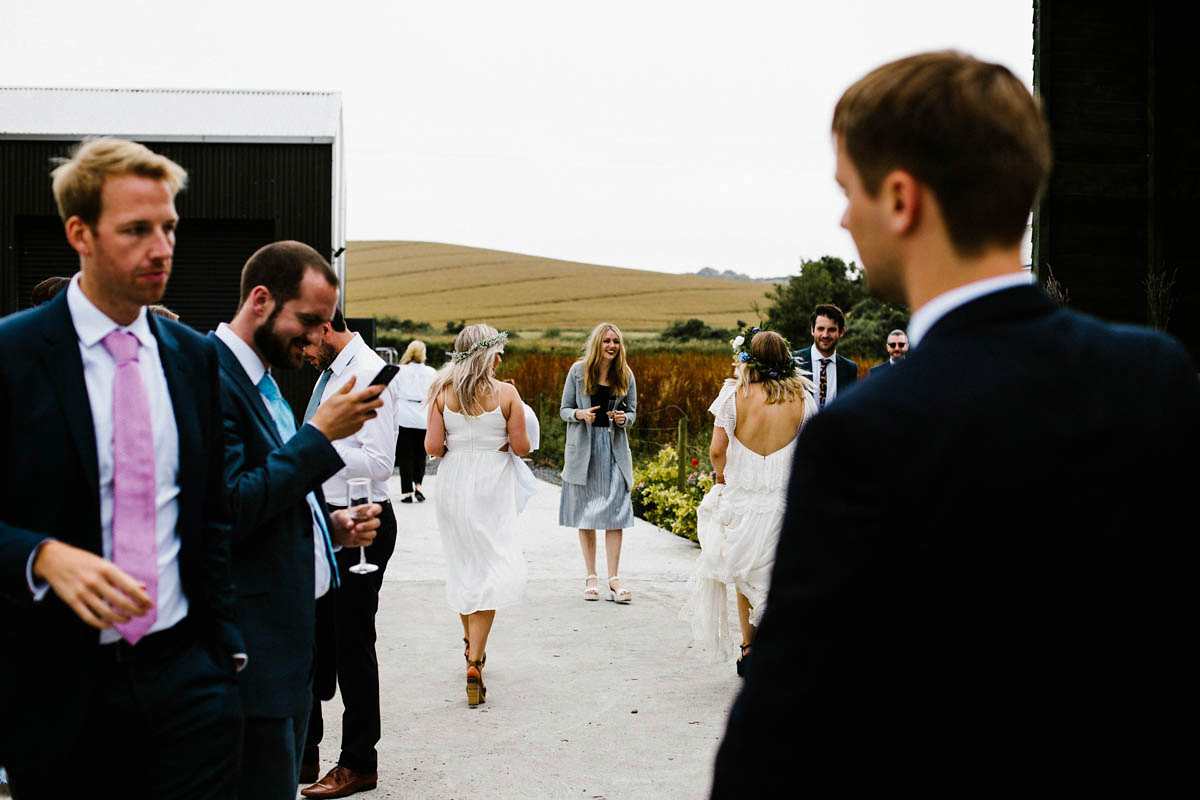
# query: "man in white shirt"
{"type": "Point", "coordinates": [283, 539]}
{"type": "Point", "coordinates": [1006, 614]}
{"type": "Point", "coordinates": [346, 618]}
{"type": "Point", "coordinates": [117, 672]}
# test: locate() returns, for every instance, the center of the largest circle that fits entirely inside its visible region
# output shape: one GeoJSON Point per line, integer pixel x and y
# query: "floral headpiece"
{"type": "Point", "coordinates": [483, 344]}
{"type": "Point", "coordinates": [776, 370]}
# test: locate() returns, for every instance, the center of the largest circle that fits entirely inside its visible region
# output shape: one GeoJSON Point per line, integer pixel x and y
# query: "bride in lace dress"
{"type": "Point", "coordinates": [476, 425]}
{"type": "Point", "coordinates": [758, 414]}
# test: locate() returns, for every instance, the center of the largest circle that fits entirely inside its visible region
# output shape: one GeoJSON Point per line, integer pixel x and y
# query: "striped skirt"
{"type": "Point", "coordinates": [603, 502]}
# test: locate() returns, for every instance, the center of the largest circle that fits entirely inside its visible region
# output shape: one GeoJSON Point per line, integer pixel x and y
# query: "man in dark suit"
{"type": "Point", "coordinates": [1009, 619]}
{"type": "Point", "coordinates": [897, 349]}
{"type": "Point", "coordinates": [283, 540]}
{"type": "Point", "coordinates": [116, 600]}
{"type": "Point", "coordinates": [830, 372]}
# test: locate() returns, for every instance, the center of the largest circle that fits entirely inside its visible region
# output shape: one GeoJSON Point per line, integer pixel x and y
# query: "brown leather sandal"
{"type": "Point", "coordinates": [476, 691]}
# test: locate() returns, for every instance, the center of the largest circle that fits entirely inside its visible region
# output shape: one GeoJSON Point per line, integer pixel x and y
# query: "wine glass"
{"type": "Point", "coordinates": [359, 490]}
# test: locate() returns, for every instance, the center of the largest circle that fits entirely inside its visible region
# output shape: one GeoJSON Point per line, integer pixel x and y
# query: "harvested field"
{"type": "Point", "coordinates": [430, 282]}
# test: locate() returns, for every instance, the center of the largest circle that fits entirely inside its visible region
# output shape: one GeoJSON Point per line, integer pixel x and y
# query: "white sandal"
{"type": "Point", "coordinates": [622, 595]}
{"type": "Point", "coordinates": [591, 592]}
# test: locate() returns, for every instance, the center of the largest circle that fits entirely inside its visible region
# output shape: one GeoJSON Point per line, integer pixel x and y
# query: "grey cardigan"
{"type": "Point", "coordinates": [578, 450]}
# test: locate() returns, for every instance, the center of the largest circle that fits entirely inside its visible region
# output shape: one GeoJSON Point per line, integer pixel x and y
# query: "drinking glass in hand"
{"type": "Point", "coordinates": [358, 490]}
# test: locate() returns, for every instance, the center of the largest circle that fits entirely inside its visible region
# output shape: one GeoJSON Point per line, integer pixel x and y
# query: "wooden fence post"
{"type": "Point", "coordinates": [680, 447]}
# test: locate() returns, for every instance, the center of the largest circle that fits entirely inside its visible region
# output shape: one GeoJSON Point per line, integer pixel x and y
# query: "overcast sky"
{"type": "Point", "coordinates": [668, 135]}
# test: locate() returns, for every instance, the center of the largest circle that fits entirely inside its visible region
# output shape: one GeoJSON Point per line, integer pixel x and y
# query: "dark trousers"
{"type": "Point", "coordinates": [271, 758]}
{"type": "Point", "coordinates": [346, 653]}
{"type": "Point", "coordinates": [410, 457]}
{"type": "Point", "coordinates": [165, 721]}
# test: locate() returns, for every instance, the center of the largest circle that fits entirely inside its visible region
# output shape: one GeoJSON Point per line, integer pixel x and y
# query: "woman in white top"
{"type": "Point", "coordinates": [475, 424]}
{"type": "Point", "coordinates": [412, 386]}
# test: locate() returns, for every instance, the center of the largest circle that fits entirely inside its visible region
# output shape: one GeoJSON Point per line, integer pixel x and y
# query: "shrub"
{"type": "Point", "coordinates": [658, 499]}
{"type": "Point", "coordinates": [693, 329]}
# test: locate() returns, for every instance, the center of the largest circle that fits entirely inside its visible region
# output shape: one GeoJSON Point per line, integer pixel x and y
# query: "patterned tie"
{"type": "Point", "coordinates": [285, 423]}
{"type": "Point", "coordinates": [824, 382]}
{"type": "Point", "coordinates": [134, 523]}
{"type": "Point", "coordinates": [315, 400]}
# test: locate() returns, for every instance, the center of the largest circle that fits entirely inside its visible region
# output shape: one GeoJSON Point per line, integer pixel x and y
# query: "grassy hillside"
{"type": "Point", "coordinates": [430, 282]}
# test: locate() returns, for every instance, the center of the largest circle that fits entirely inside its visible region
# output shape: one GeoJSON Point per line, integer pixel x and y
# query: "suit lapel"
{"type": "Point", "coordinates": [182, 388]}
{"type": "Point", "coordinates": [65, 367]}
{"type": "Point", "coordinates": [240, 382]}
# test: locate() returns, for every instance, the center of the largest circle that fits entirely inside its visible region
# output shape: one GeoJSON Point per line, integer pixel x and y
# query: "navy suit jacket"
{"type": "Point", "coordinates": [994, 595]}
{"type": "Point", "coordinates": [273, 568]}
{"type": "Point", "coordinates": [847, 370]}
{"type": "Point", "coordinates": [50, 488]}
{"type": "Point", "coordinates": [878, 368]}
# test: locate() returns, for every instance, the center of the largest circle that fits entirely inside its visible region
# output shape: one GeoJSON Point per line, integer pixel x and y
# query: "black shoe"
{"type": "Point", "coordinates": [406, 499]}
{"type": "Point", "coordinates": [420, 497]}
{"type": "Point", "coordinates": [743, 661]}
{"type": "Point", "coordinates": [309, 773]}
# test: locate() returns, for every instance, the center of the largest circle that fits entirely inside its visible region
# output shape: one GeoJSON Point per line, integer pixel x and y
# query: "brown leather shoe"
{"type": "Point", "coordinates": [342, 782]}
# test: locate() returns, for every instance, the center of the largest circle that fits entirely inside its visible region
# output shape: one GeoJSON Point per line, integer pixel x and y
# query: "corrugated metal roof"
{"type": "Point", "coordinates": [171, 114]}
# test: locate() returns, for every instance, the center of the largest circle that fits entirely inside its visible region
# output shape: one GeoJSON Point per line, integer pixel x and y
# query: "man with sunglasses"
{"type": "Point", "coordinates": [897, 349]}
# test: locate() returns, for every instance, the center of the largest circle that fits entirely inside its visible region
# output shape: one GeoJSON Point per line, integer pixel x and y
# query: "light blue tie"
{"type": "Point", "coordinates": [315, 400]}
{"type": "Point", "coordinates": [285, 423]}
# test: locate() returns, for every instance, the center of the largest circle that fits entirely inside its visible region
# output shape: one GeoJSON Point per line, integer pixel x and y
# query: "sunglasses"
{"type": "Point", "coordinates": [897, 344]}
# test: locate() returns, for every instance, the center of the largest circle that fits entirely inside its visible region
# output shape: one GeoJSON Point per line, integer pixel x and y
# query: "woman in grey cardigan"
{"type": "Point", "coordinates": [599, 402]}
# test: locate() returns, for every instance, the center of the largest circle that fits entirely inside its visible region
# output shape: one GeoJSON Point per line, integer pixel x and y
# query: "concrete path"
{"type": "Point", "coordinates": [589, 700]}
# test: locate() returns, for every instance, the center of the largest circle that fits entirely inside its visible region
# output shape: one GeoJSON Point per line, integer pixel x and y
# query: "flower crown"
{"type": "Point", "coordinates": [483, 344]}
{"type": "Point", "coordinates": [776, 369]}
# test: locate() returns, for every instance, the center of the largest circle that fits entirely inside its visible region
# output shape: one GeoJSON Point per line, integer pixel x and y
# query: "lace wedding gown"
{"type": "Point", "coordinates": [476, 505]}
{"type": "Point", "coordinates": [738, 524]}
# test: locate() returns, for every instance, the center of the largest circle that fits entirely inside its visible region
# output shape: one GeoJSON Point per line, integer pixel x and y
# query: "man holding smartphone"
{"type": "Point", "coordinates": [346, 618]}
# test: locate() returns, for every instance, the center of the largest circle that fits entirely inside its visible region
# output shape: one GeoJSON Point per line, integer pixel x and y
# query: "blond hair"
{"type": "Point", "coordinates": [770, 348]}
{"type": "Point", "coordinates": [469, 379]}
{"type": "Point", "coordinates": [593, 360]}
{"type": "Point", "coordinates": [414, 352]}
{"type": "Point", "coordinates": [78, 181]}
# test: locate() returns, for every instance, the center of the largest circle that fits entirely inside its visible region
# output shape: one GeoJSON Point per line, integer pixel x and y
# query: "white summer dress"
{"type": "Point", "coordinates": [738, 526]}
{"type": "Point", "coordinates": [476, 505]}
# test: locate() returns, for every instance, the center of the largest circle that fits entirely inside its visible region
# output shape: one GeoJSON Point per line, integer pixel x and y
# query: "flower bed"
{"type": "Point", "coordinates": [658, 499]}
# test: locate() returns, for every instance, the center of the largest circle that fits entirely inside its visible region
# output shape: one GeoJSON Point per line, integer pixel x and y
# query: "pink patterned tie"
{"type": "Point", "coordinates": [134, 528]}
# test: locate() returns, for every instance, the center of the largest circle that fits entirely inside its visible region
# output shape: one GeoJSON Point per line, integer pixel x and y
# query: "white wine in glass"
{"type": "Point", "coordinates": [359, 489]}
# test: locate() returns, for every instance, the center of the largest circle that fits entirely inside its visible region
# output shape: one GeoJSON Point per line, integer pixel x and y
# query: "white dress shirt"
{"type": "Point", "coordinates": [255, 369]}
{"type": "Point", "coordinates": [830, 374]}
{"type": "Point", "coordinates": [927, 315]}
{"type": "Point", "coordinates": [370, 453]}
{"type": "Point", "coordinates": [99, 372]}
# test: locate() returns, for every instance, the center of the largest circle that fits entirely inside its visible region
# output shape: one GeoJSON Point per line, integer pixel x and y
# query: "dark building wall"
{"type": "Point", "coordinates": [238, 198]}
{"type": "Point", "coordinates": [1116, 79]}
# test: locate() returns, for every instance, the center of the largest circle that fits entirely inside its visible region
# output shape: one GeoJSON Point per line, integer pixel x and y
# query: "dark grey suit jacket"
{"type": "Point", "coordinates": [50, 487]}
{"type": "Point", "coordinates": [273, 566]}
{"type": "Point", "coordinates": [993, 596]}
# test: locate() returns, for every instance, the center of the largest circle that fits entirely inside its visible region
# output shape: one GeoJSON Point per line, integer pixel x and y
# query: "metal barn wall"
{"type": "Point", "coordinates": [1116, 79]}
{"type": "Point", "coordinates": [239, 196]}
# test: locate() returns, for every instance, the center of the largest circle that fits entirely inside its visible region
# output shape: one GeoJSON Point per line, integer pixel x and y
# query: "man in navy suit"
{"type": "Point", "coordinates": [897, 349]}
{"type": "Point", "coordinates": [831, 373]}
{"type": "Point", "coordinates": [1009, 619]}
{"type": "Point", "coordinates": [117, 672]}
{"type": "Point", "coordinates": [283, 539]}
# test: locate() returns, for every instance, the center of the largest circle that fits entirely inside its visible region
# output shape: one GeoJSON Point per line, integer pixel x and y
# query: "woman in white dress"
{"type": "Point", "coordinates": [477, 425]}
{"type": "Point", "coordinates": [758, 415]}
{"type": "Point", "coordinates": [412, 387]}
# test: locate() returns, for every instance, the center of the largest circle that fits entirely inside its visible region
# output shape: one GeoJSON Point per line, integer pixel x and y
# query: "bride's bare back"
{"type": "Point", "coordinates": [766, 428]}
